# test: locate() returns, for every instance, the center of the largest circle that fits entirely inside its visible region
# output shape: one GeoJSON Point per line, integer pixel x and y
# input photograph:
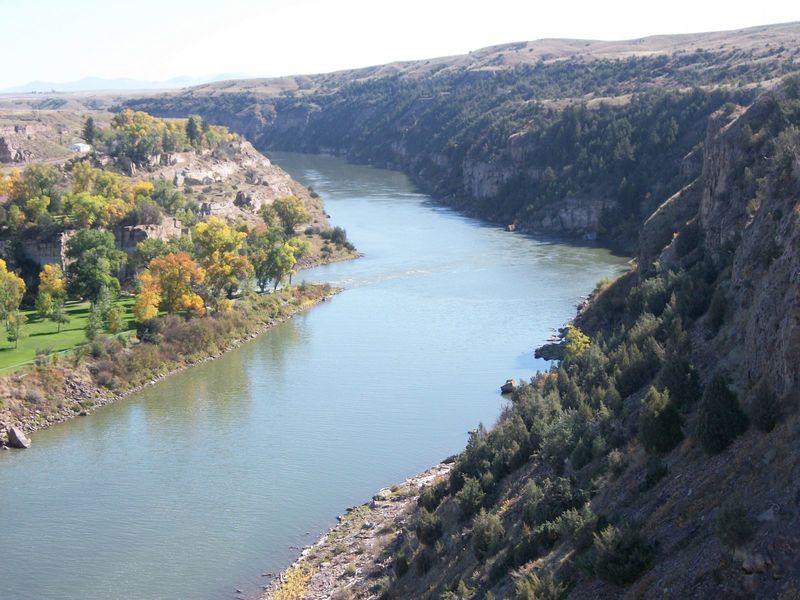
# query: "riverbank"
{"type": "Point", "coordinates": [353, 559]}
{"type": "Point", "coordinates": [60, 388]}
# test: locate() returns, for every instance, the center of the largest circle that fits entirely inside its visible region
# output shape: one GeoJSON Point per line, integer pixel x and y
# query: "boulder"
{"type": "Point", "coordinates": [17, 438]}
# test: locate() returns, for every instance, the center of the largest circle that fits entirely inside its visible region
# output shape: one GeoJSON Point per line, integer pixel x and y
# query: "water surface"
{"type": "Point", "coordinates": [194, 487]}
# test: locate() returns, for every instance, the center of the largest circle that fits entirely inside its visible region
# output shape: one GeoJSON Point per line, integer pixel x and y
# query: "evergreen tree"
{"type": "Point", "coordinates": [720, 420]}
{"type": "Point", "coordinates": [659, 423]}
{"type": "Point", "coordinates": [89, 131]}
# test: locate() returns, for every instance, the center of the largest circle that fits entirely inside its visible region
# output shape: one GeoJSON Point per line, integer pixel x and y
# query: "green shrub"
{"type": "Point", "coordinates": [547, 533]}
{"type": "Point", "coordinates": [579, 525]}
{"type": "Point", "coordinates": [732, 525]}
{"type": "Point", "coordinates": [720, 420]}
{"type": "Point", "coordinates": [621, 555]}
{"type": "Point", "coordinates": [401, 564]}
{"type": "Point", "coordinates": [679, 377]}
{"type": "Point", "coordinates": [527, 548]}
{"type": "Point", "coordinates": [432, 495]}
{"type": "Point", "coordinates": [659, 423]}
{"type": "Point", "coordinates": [535, 587]}
{"type": "Point", "coordinates": [548, 499]}
{"type": "Point", "coordinates": [429, 528]}
{"type": "Point", "coordinates": [487, 534]}
{"type": "Point", "coordinates": [717, 309]}
{"type": "Point", "coordinates": [655, 471]}
{"type": "Point", "coordinates": [424, 561]}
{"type": "Point", "coordinates": [765, 409]}
{"type": "Point", "coordinates": [470, 497]}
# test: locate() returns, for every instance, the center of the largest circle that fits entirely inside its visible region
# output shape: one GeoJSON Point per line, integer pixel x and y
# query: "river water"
{"type": "Point", "coordinates": [194, 487]}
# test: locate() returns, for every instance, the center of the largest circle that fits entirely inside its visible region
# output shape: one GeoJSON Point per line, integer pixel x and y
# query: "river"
{"type": "Point", "coordinates": [194, 487]}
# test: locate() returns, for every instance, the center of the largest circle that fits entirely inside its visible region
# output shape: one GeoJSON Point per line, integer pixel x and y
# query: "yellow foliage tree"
{"type": "Point", "coordinates": [177, 275]}
{"type": "Point", "coordinates": [218, 247]}
{"type": "Point", "coordinates": [149, 297]}
{"type": "Point", "coordinates": [12, 288]}
{"type": "Point", "coordinates": [52, 281]}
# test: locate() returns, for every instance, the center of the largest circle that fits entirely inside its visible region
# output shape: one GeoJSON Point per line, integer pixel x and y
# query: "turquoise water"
{"type": "Point", "coordinates": [194, 487]}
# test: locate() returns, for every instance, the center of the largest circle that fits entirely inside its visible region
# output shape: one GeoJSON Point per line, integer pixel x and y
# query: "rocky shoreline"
{"type": "Point", "coordinates": [80, 389]}
{"type": "Point", "coordinates": [352, 558]}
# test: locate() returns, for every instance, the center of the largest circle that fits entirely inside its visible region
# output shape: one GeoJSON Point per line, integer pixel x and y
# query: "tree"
{"type": "Point", "coordinates": [720, 420]}
{"type": "Point", "coordinates": [94, 323]}
{"type": "Point", "coordinates": [89, 131]}
{"type": "Point", "coordinates": [12, 289]}
{"type": "Point", "coordinates": [219, 247]}
{"type": "Point", "coordinates": [44, 305]}
{"type": "Point", "coordinates": [261, 252]}
{"type": "Point", "coordinates": [487, 534]}
{"type": "Point", "coordinates": [115, 323]}
{"type": "Point", "coordinates": [178, 275]}
{"type": "Point", "coordinates": [83, 177]}
{"type": "Point", "coordinates": [95, 258]}
{"type": "Point", "coordinates": [659, 423]}
{"type": "Point", "coordinates": [37, 180]}
{"type": "Point", "coordinates": [291, 213]}
{"type": "Point", "coordinates": [194, 130]}
{"type": "Point", "coordinates": [577, 342]}
{"type": "Point", "coordinates": [148, 299]}
{"type": "Point", "coordinates": [52, 281]}
{"type": "Point", "coordinates": [14, 324]}
{"type": "Point", "coordinates": [59, 315]}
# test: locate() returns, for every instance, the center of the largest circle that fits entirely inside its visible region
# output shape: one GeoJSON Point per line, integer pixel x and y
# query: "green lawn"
{"type": "Point", "coordinates": [39, 334]}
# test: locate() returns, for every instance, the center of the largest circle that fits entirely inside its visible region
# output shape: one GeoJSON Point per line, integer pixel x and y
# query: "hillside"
{"type": "Point", "coordinates": [659, 460]}
{"type": "Point", "coordinates": [580, 138]}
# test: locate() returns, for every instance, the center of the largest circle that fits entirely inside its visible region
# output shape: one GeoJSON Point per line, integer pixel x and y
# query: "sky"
{"type": "Point", "coordinates": [67, 40]}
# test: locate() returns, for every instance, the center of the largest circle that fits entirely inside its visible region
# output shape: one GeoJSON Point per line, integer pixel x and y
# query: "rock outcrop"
{"type": "Point", "coordinates": [17, 438]}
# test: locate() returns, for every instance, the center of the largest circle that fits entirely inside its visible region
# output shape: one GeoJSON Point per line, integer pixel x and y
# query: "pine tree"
{"type": "Point", "coordinates": [720, 420]}
{"type": "Point", "coordinates": [89, 131]}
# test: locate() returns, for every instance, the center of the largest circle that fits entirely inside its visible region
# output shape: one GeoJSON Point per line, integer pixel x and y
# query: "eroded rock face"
{"type": "Point", "coordinates": [17, 438]}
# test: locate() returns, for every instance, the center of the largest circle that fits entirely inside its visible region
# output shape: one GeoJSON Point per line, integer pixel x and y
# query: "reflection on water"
{"type": "Point", "coordinates": [193, 487]}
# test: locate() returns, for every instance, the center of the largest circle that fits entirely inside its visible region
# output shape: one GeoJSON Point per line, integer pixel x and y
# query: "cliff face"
{"type": "Point", "coordinates": [755, 235]}
{"type": "Point", "coordinates": [554, 136]}
{"type": "Point", "coordinates": [566, 497]}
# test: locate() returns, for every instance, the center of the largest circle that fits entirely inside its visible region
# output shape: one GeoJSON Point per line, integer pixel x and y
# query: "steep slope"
{"type": "Point", "coordinates": [581, 138]}
{"type": "Point", "coordinates": [660, 459]}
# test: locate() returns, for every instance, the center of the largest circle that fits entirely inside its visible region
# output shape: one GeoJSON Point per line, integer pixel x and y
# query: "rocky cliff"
{"type": "Point", "coordinates": [621, 475]}
{"type": "Point", "coordinates": [576, 139]}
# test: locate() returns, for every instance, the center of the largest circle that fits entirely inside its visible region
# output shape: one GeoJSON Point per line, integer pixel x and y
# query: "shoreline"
{"type": "Point", "coordinates": [346, 559]}
{"type": "Point", "coordinates": [78, 389]}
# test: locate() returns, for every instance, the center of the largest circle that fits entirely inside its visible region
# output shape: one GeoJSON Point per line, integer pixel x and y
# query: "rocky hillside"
{"type": "Point", "coordinates": [660, 459]}
{"type": "Point", "coordinates": [583, 138]}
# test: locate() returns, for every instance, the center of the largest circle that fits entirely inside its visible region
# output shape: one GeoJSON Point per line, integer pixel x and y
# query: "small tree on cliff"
{"type": "Point", "coordinates": [720, 420]}
{"type": "Point", "coordinates": [89, 131]}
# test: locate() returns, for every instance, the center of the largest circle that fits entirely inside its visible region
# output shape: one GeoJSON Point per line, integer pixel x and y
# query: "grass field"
{"type": "Point", "coordinates": [40, 335]}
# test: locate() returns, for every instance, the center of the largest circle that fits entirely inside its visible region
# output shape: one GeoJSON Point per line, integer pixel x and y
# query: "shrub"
{"type": "Point", "coordinates": [679, 377]}
{"type": "Point", "coordinates": [659, 423]}
{"type": "Point", "coordinates": [765, 410]}
{"type": "Point", "coordinates": [579, 525]}
{"type": "Point", "coordinates": [534, 587]}
{"type": "Point", "coordinates": [424, 561]}
{"type": "Point", "coordinates": [149, 330]}
{"type": "Point", "coordinates": [621, 555]}
{"type": "Point", "coordinates": [527, 548]}
{"type": "Point", "coordinates": [720, 420]}
{"type": "Point", "coordinates": [655, 471]}
{"type": "Point", "coordinates": [487, 533]}
{"type": "Point", "coordinates": [432, 495]}
{"type": "Point", "coordinates": [616, 461]}
{"type": "Point", "coordinates": [429, 529]}
{"type": "Point", "coordinates": [401, 564]}
{"type": "Point", "coordinates": [732, 525]}
{"type": "Point", "coordinates": [717, 309]}
{"type": "Point", "coordinates": [547, 500]}
{"type": "Point", "coordinates": [470, 497]}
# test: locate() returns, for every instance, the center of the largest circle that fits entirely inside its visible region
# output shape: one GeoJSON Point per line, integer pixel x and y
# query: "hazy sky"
{"type": "Point", "coordinates": [64, 40]}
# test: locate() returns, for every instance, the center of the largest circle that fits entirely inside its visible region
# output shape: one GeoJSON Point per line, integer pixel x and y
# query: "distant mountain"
{"type": "Point", "coordinates": [88, 84]}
